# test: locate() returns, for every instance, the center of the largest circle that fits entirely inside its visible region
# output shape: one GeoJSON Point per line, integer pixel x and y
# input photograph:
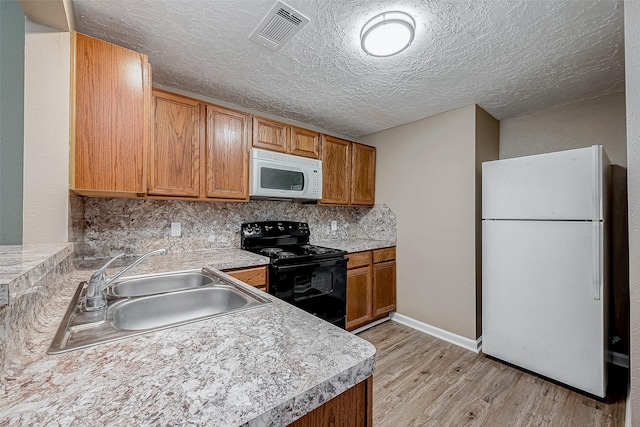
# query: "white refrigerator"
{"type": "Point", "coordinates": [544, 264]}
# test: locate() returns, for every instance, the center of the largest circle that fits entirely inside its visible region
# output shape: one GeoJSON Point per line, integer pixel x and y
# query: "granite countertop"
{"type": "Point", "coordinates": [264, 366]}
{"type": "Point", "coordinates": [219, 259]}
{"type": "Point", "coordinates": [355, 245]}
{"type": "Point", "coordinates": [22, 265]}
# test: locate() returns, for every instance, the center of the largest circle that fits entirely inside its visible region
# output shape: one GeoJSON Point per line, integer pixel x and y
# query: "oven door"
{"type": "Point", "coordinates": [319, 288]}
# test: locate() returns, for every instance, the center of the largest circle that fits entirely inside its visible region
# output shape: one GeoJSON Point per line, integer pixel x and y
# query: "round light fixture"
{"type": "Point", "coordinates": [387, 34]}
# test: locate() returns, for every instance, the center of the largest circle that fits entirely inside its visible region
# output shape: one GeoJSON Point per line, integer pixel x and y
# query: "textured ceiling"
{"type": "Point", "coordinates": [510, 57]}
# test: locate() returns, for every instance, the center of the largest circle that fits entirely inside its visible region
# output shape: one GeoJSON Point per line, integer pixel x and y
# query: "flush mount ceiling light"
{"type": "Point", "coordinates": [387, 34]}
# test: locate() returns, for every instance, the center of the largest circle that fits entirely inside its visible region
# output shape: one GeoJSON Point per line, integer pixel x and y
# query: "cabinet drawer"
{"type": "Point", "coordinates": [253, 276]}
{"type": "Point", "coordinates": [386, 254]}
{"type": "Point", "coordinates": [358, 259]}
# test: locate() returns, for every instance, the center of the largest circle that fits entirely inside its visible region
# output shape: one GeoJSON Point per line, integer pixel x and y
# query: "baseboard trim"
{"type": "Point", "coordinates": [618, 359]}
{"type": "Point", "coordinates": [371, 325]}
{"type": "Point", "coordinates": [467, 343]}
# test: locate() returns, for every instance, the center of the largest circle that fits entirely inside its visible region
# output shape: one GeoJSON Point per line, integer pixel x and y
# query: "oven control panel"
{"type": "Point", "coordinates": [253, 230]}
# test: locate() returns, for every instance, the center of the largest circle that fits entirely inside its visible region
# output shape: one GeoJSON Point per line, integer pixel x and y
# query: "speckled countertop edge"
{"type": "Point", "coordinates": [21, 266]}
{"type": "Point", "coordinates": [219, 259]}
{"type": "Point", "coordinates": [355, 245]}
{"type": "Point", "coordinates": [311, 344]}
{"type": "Point", "coordinates": [227, 258]}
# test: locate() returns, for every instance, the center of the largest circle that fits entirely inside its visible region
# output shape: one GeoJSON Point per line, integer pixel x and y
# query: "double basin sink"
{"type": "Point", "coordinates": [142, 304]}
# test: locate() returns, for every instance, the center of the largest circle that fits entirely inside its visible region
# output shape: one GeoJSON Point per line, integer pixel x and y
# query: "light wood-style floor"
{"type": "Point", "coordinates": [423, 381]}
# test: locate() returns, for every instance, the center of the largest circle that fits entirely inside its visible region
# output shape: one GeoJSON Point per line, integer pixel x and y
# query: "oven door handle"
{"type": "Point", "coordinates": [325, 263]}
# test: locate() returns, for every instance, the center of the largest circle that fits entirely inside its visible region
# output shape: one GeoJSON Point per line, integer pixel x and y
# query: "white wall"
{"type": "Point", "coordinates": [632, 66]}
{"type": "Point", "coordinates": [582, 124]}
{"type": "Point", "coordinates": [426, 175]}
{"type": "Point", "coordinates": [46, 134]}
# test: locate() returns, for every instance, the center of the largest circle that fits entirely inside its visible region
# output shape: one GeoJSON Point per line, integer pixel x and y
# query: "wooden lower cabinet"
{"type": "Point", "coordinates": [359, 293]}
{"type": "Point", "coordinates": [384, 288]}
{"type": "Point", "coordinates": [352, 408]}
{"type": "Point", "coordinates": [254, 276]}
{"type": "Point", "coordinates": [371, 286]}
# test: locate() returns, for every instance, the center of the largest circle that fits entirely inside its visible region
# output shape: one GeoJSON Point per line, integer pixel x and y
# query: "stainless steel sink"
{"type": "Point", "coordinates": [159, 283]}
{"type": "Point", "coordinates": [160, 310]}
{"type": "Point", "coordinates": [162, 301]}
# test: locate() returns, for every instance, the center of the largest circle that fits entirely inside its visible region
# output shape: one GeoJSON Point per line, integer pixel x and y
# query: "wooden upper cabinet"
{"type": "Point", "coordinates": [276, 136]}
{"type": "Point", "coordinates": [174, 152]}
{"type": "Point", "coordinates": [270, 135]}
{"type": "Point", "coordinates": [111, 97]}
{"type": "Point", "coordinates": [336, 171]}
{"type": "Point", "coordinates": [363, 174]}
{"type": "Point", "coordinates": [305, 143]}
{"type": "Point", "coordinates": [227, 153]}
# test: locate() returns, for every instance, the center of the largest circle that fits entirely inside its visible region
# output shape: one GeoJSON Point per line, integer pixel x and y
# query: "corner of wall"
{"type": "Point", "coordinates": [76, 223]}
{"type": "Point", "coordinates": [487, 148]}
{"type": "Point", "coordinates": [632, 67]}
{"type": "Point", "coordinates": [46, 134]}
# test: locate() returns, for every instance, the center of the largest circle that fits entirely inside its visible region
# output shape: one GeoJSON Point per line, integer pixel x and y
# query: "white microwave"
{"type": "Point", "coordinates": [282, 176]}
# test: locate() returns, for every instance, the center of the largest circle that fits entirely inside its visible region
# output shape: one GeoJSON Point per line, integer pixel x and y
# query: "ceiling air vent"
{"type": "Point", "coordinates": [279, 26]}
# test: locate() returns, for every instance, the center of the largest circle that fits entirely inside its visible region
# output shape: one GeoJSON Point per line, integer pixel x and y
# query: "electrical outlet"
{"type": "Point", "coordinates": [334, 225]}
{"type": "Point", "coordinates": [176, 230]}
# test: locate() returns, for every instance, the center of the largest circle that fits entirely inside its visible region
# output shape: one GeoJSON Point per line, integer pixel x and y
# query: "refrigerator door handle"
{"type": "Point", "coordinates": [596, 189]}
{"type": "Point", "coordinates": [596, 260]}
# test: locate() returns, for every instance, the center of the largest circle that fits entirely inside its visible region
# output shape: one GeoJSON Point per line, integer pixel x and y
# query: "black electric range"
{"type": "Point", "coordinates": [313, 278]}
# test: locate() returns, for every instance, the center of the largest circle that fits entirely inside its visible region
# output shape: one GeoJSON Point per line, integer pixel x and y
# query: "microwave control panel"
{"type": "Point", "coordinates": [316, 183]}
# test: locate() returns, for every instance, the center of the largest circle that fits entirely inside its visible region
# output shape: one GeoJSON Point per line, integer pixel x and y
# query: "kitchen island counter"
{"type": "Point", "coordinates": [264, 366]}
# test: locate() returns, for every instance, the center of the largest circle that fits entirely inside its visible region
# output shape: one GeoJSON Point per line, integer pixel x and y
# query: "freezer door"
{"type": "Point", "coordinates": [540, 310]}
{"type": "Point", "coordinates": [566, 185]}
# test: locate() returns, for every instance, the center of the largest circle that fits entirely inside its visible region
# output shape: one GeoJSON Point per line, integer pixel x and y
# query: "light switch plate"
{"type": "Point", "coordinates": [176, 230]}
{"type": "Point", "coordinates": [334, 225]}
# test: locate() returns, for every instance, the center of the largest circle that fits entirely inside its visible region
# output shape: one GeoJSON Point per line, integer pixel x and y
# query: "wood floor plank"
{"type": "Point", "coordinates": [423, 381]}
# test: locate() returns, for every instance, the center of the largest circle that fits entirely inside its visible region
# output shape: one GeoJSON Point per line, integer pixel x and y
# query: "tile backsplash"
{"type": "Point", "coordinates": [135, 226]}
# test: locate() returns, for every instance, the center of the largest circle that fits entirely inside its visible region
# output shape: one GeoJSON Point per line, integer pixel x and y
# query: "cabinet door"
{"type": "Point", "coordinates": [384, 288]}
{"type": "Point", "coordinates": [174, 154]}
{"type": "Point", "coordinates": [305, 143]}
{"type": "Point", "coordinates": [227, 153]}
{"type": "Point", "coordinates": [254, 276]}
{"type": "Point", "coordinates": [353, 408]}
{"type": "Point", "coordinates": [110, 125]}
{"type": "Point", "coordinates": [363, 174]}
{"type": "Point", "coordinates": [336, 170]}
{"type": "Point", "coordinates": [358, 297]}
{"type": "Point", "coordinates": [270, 135]}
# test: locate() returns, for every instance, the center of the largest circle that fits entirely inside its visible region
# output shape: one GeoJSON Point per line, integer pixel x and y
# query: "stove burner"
{"type": "Point", "coordinates": [270, 251]}
{"type": "Point", "coordinates": [285, 254]}
{"type": "Point", "coordinates": [317, 250]}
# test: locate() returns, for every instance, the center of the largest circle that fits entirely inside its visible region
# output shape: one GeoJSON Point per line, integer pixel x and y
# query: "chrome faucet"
{"type": "Point", "coordinates": [96, 298]}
